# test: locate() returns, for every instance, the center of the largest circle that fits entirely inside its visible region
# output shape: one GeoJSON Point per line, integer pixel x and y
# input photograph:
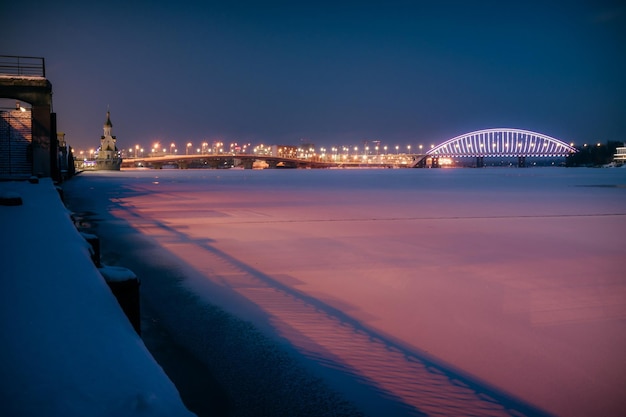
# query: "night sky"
{"type": "Point", "coordinates": [328, 73]}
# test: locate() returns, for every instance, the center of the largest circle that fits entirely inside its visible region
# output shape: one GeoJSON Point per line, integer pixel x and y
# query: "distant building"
{"type": "Point", "coordinates": [108, 157]}
{"type": "Point", "coordinates": [66, 158]}
{"type": "Point", "coordinates": [285, 151]}
{"type": "Point", "coordinates": [620, 155]}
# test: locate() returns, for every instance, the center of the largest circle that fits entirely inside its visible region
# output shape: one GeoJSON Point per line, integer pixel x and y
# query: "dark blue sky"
{"type": "Point", "coordinates": [328, 72]}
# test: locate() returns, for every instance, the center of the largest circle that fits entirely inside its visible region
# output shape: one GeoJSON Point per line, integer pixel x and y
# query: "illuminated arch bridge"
{"type": "Point", "coordinates": [500, 142]}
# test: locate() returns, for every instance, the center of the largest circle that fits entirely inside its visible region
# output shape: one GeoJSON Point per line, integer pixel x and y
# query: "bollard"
{"type": "Point", "coordinates": [10, 199]}
{"type": "Point", "coordinates": [124, 285]}
{"type": "Point", "coordinates": [94, 241]}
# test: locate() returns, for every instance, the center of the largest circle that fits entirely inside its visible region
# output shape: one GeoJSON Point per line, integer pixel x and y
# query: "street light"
{"type": "Point", "coordinates": [187, 150]}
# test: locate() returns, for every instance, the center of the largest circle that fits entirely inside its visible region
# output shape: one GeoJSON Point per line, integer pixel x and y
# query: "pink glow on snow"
{"type": "Point", "coordinates": [518, 283]}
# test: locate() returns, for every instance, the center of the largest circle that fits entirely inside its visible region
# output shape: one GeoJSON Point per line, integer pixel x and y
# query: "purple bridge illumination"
{"type": "Point", "coordinates": [501, 142]}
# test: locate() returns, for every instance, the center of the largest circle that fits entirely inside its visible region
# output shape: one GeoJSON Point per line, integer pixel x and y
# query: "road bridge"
{"type": "Point", "coordinates": [500, 142]}
{"type": "Point", "coordinates": [228, 160]}
{"type": "Point", "coordinates": [480, 144]}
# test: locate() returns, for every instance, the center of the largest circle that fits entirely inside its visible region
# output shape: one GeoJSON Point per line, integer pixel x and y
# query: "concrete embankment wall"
{"type": "Point", "coordinates": [68, 349]}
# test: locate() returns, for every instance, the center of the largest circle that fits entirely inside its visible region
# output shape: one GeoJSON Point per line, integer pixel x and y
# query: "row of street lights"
{"type": "Point", "coordinates": [216, 147]}
{"type": "Point", "coordinates": [234, 148]}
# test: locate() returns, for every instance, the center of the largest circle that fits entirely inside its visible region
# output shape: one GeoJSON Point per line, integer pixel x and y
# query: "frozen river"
{"type": "Point", "coordinates": [406, 292]}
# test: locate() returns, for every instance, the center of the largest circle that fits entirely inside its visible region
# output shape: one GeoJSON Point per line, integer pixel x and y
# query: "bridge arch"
{"type": "Point", "coordinates": [502, 142]}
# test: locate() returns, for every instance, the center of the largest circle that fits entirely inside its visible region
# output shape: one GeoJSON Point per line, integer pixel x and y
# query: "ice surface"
{"type": "Point", "coordinates": [438, 287]}
{"type": "Point", "coordinates": [67, 349]}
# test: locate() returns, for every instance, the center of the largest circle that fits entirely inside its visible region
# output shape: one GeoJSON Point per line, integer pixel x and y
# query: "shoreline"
{"type": "Point", "coordinates": [242, 371]}
{"type": "Point", "coordinates": [241, 240]}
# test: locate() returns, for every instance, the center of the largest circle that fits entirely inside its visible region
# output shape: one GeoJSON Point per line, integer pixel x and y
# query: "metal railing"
{"type": "Point", "coordinates": [24, 66]}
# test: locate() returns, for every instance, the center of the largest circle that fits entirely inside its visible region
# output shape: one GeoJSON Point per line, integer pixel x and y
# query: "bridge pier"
{"type": "Point", "coordinates": [421, 163]}
{"type": "Point", "coordinates": [480, 162]}
{"type": "Point", "coordinates": [434, 162]}
{"type": "Point", "coordinates": [246, 163]}
{"type": "Point", "coordinates": [521, 161]}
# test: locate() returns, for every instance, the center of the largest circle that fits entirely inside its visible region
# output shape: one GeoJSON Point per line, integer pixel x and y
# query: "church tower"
{"type": "Point", "coordinates": [108, 126]}
{"type": "Point", "coordinates": [108, 156]}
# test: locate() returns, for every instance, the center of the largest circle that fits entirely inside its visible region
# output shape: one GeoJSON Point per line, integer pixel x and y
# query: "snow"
{"type": "Point", "coordinates": [88, 236]}
{"type": "Point", "coordinates": [438, 287]}
{"type": "Point", "coordinates": [9, 195]}
{"type": "Point", "coordinates": [117, 273]}
{"type": "Point", "coordinates": [67, 348]}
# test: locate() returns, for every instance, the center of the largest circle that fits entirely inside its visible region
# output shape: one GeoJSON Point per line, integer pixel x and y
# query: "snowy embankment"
{"type": "Point", "coordinates": [67, 348]}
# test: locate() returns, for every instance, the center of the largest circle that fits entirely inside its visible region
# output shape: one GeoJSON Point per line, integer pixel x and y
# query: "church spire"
{"type": "Point", "coordinates": [108, 125]}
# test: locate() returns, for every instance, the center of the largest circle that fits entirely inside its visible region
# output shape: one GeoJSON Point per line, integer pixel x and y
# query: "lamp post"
{"type": "Point", "coordinates": [188, 146]}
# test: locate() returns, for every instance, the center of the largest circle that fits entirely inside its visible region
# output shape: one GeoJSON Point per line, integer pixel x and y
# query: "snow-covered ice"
{"type": "Point", "coordinates": [438, 288]}
{"type": "Point", "coordinates": [67, 349]}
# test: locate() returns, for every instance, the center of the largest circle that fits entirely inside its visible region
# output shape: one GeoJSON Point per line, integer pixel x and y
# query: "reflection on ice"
{"type": "Point", "coordinates": [465, 292]}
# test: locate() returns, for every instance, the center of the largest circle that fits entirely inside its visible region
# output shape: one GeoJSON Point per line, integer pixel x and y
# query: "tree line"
{"type": "Point", "coordinates": [593, 155]}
